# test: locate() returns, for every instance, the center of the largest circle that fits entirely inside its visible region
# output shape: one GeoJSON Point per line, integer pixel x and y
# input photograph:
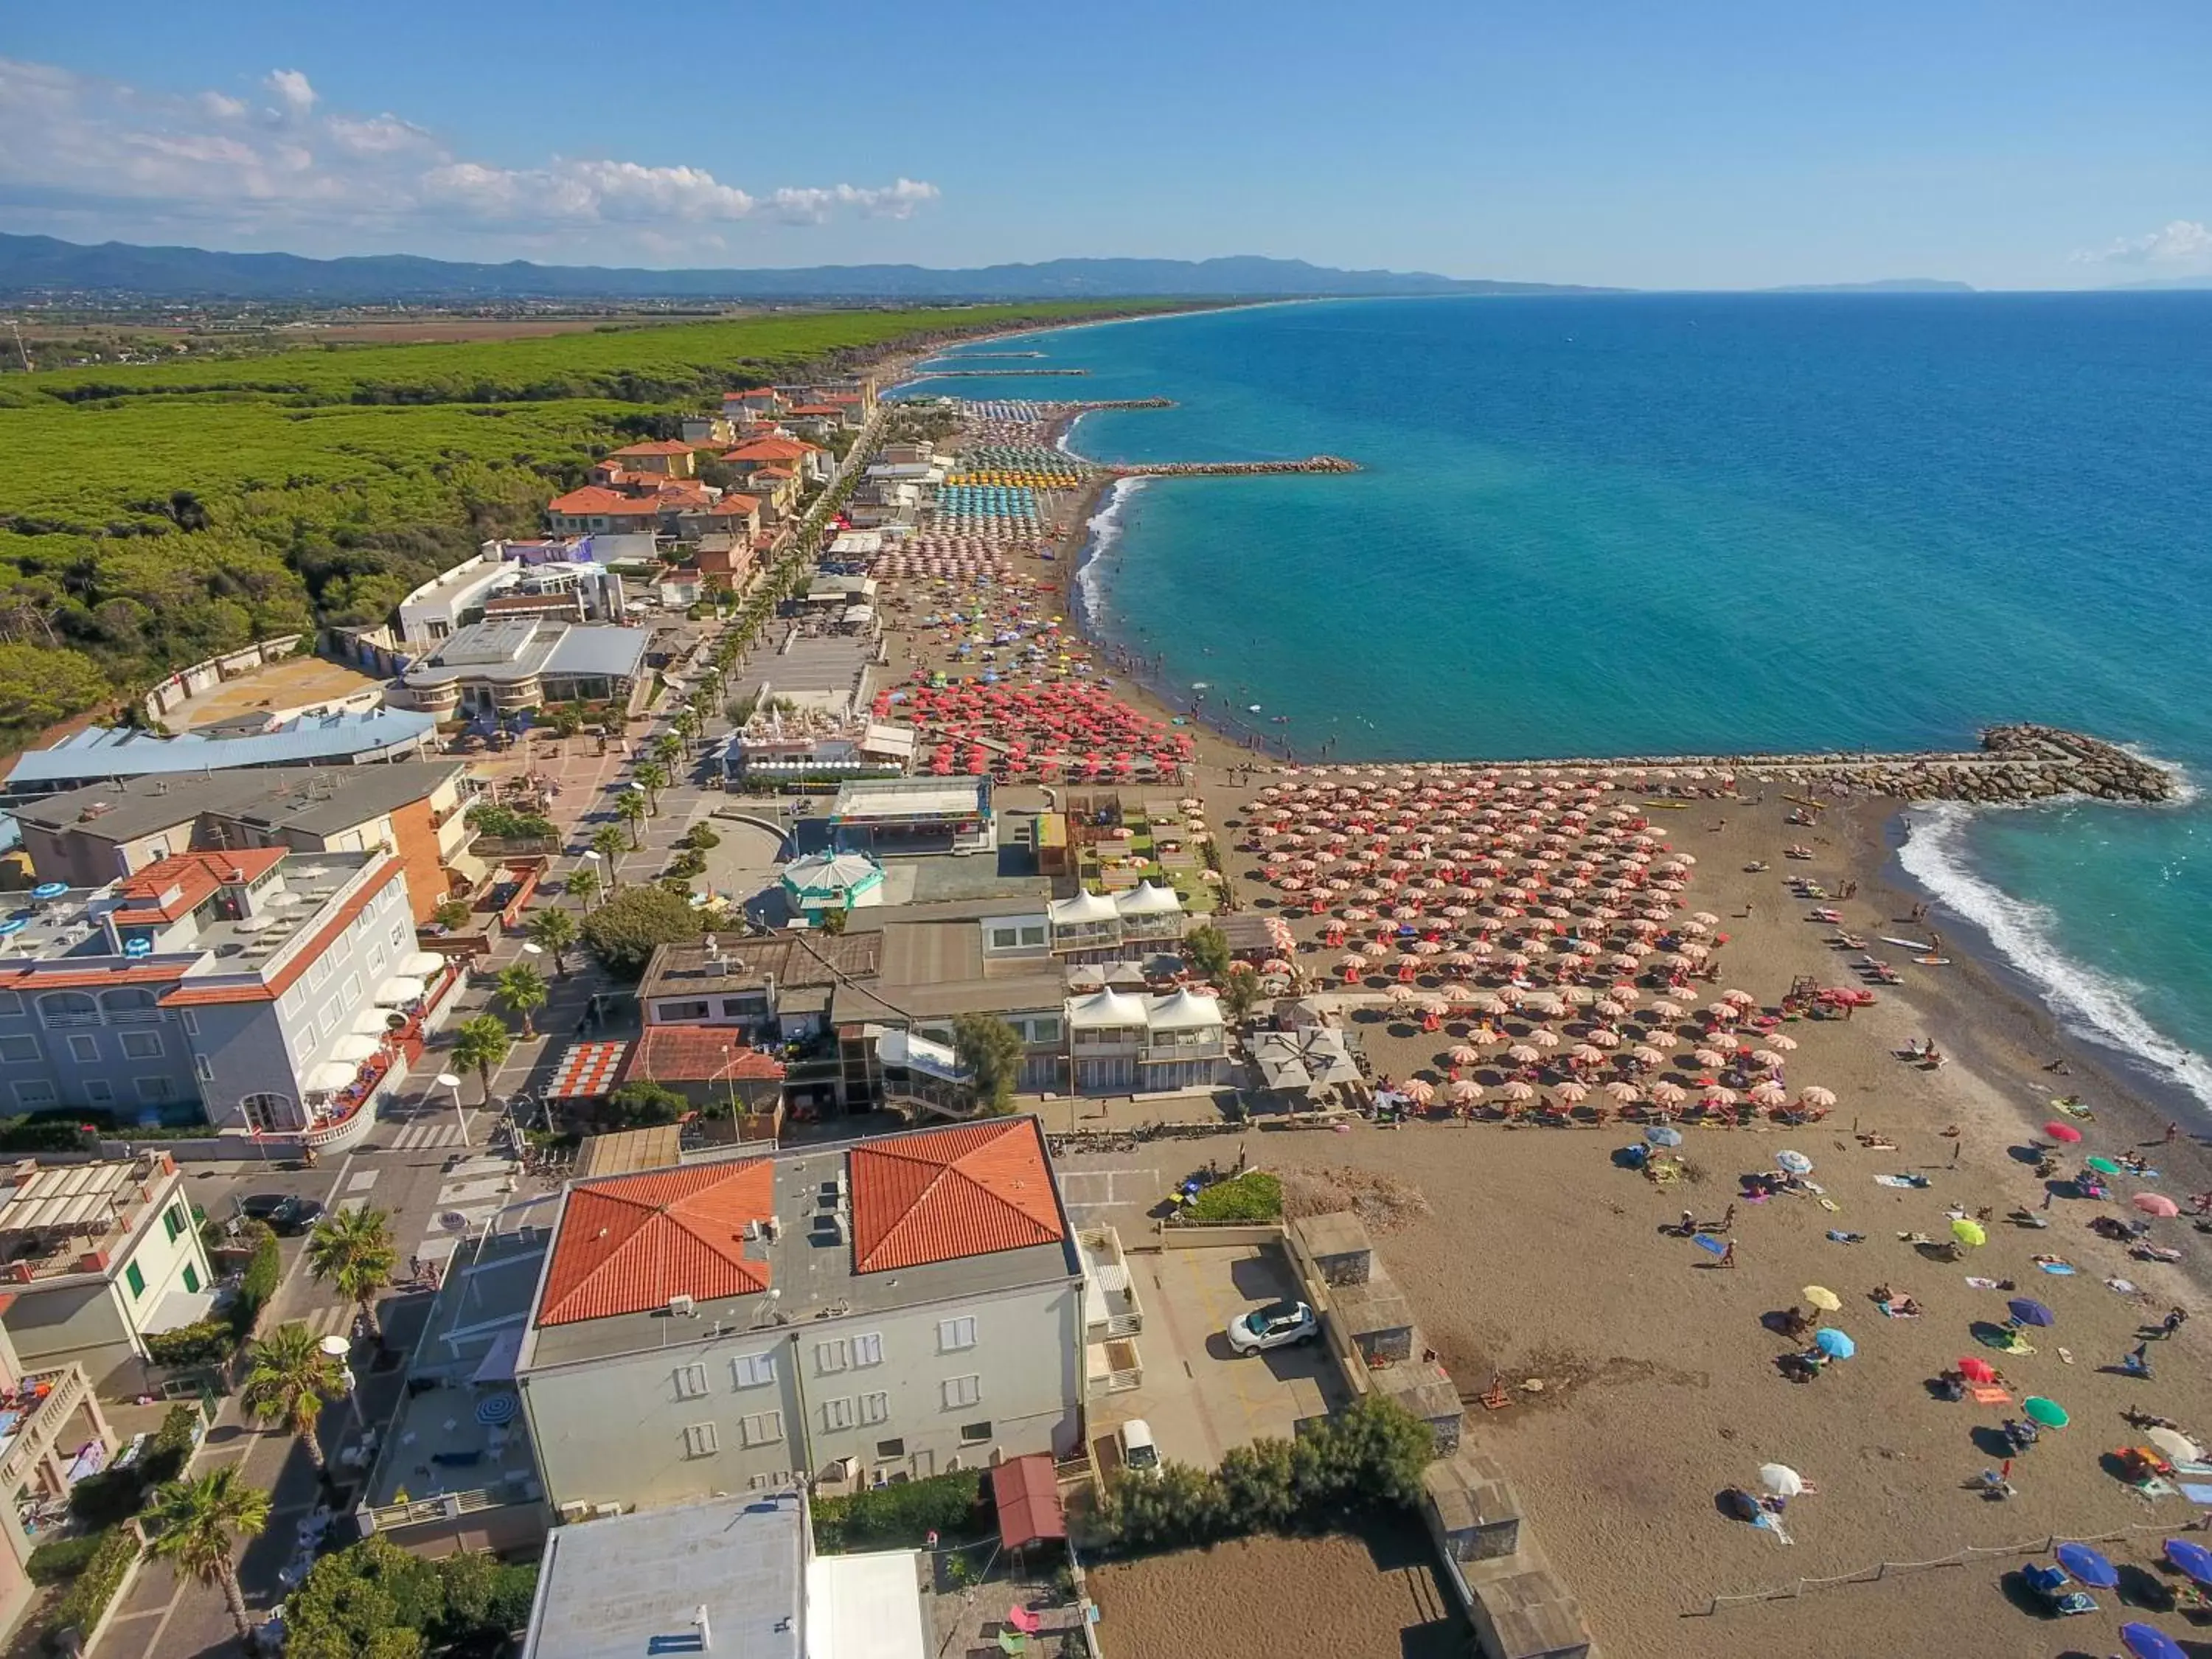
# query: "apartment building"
{"type": "Point", "coordinates": [58, 1436]}
{"type": "Point", "coordinates": [261, 989]}
{"type": "Point", "coordinates": [895, 1308]}
{"type": "Point", "coordinates": [95, 1258]}
{"type": "Point", "coordinates": [417, 810]}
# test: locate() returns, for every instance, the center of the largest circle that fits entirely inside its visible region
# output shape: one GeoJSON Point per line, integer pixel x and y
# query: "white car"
{"type": "Point", "coordinates": [1138, 1451]}
{"type": "Point", "coordinates": [1277, 1325]}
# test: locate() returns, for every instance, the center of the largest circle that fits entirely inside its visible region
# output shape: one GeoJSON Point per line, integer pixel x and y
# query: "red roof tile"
{"type": "Point", "coordinates": [699, 1054]}
{"type": "Point", "coordinates": [975, 1190]}
{"type": "Point", "coordinates": [770, 449]}
{"type": "Point", "coordinates": [627, 1244]}
{"type": "Point", "coordinates": [592, 499]}
{"type": "Point", "coordinates": [189, 994]}
{"type": "Point", "coordinates": [194, 876]}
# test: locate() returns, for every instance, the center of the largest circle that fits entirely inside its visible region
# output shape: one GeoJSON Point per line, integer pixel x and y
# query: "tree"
{"type": "Point", "coordinates": [686, 726]}
{"type": "Point", "coordinates": [375, 1600]}
{"type": "Point", "coordinates": [39, 685]}
{"type": "Point", "coordinates": [520, 989]}
{"type": "Point", "coordinates": [1240, 991]}
{"type": "Point", "coordinates": [1209, 952]}
{"type": "Point", "coordinates": [581, 884]}
{"type": "Point", "coordinates": [624, 931]}
{"type": "Point", "coordinates": [554, 932]}
{"type": "Point", "coordinates": [484, 1042]}
{"type": "Point", "coordinates": [198, 1524]}
{"type": "Point", "coordinates": [630, 807]}
{"type": "Point", "coordinates": [642, 1104]}
{"type": "Point", "coordinates": [567, 720]}
{"type": "Point", "coordinates": [991, 1048]}
{"type": "Point", "coordinates": [289, 1378]}
{"type": "Point", "coordinates": [452, 915]}
{"type": "Point", "coordinates": [353, 1253]}
{"type": "Point", "coordinates": [667, 748]}
{"type": "Point", "coordinates": [607, 842]}
{"type": "Point", "coordinates": [652, 777]}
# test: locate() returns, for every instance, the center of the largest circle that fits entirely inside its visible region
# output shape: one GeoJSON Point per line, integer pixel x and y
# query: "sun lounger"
{"type": "Point", "coordinates": [2197, 1491]}
{"type": "Point", "coordinates": [1988, 1394]}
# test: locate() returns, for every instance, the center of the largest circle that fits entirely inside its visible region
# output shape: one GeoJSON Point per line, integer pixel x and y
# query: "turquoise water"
{"type": "Point", "coordinates": [1609, 525]}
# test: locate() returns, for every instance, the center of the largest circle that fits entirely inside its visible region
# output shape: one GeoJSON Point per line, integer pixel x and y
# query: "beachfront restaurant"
{"type": "Point", "coordinates": [893, 817]}
{"type": "Point", "coordinates": [1119, 1043]}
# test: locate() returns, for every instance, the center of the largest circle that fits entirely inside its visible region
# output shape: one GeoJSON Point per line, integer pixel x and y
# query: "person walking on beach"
{"type": "Point", "coordinates": [2172, 1132]}
{"type": "Point", "coordinates": [2173, 1321]}
{"type": "Point", "coordinates": [1727, 1255]}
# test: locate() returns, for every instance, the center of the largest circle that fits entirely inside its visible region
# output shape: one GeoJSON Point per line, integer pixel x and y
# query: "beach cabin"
{"type": "Point", "coordinates": [1150, 915]}
{"type": "Point", "coordinates": [1105, 1032]}
{"type": "Point", "coordinates": [1186, 1044]}
{"type": "Point", "coordinates": [1086, 928]}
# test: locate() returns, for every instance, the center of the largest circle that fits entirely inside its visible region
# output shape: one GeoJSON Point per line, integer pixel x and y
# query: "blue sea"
{"type": "Point", "coordinates": [1620, 525]}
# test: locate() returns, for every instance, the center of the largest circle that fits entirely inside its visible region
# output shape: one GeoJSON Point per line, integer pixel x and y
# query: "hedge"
{"type": "Point", "coordinates": [58, 1562]}
{"type": "Point", "coordinates": [100, 1577]}
{"type": "Point", "coordinates": [901, 1516]}
{"type": "Point", "coordinates": [1256, 1195]}
{"type": "Point", "coordinates": [257, 1283]}
{"type": "Point", "coordinates": [114, 1495]}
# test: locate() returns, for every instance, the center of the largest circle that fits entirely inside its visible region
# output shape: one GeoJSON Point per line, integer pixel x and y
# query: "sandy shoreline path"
{"type": "Point", "coordinates": [1540, 1257]}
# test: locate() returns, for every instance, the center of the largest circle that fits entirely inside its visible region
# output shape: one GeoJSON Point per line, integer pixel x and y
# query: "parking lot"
{"type": "Point", "coordinates": [1199, 1397]}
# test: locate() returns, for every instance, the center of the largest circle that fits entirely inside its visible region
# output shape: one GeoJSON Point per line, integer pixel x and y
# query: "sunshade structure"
{"type": "Point", "coordinates": [1822, 1297]}
{"type": "Point", "coordinates": [587, 1071]}
{"type": "Point", "coordinates": [2031, 1313]}
{"type": "Point", "coordinates": [2175, 1445]}
{"type": "Point", "coordinates": [1026, 1494]}
{"type": "Point", "coordinates": [2049, 1413]}
{"type": "Point", "coordinates": [1781, 1479]}
{"type": "Point", "coordinates": [2064, 1132]}
{"type": "Point", "coordinates": [2191, 1557]}
{"type": "Point", "coordinates": [2149, 1641]}
{"type": "Point", "coordinates": [2089, 1566]}
{"type": "Point", "coordinates": [1834, 1343]}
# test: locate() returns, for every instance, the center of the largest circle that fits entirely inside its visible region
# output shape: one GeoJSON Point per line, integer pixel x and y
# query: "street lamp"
{"type": "Point", "coordinates": [340, 1348]}
{"type": "Point", "coordinates": [447, 1079]}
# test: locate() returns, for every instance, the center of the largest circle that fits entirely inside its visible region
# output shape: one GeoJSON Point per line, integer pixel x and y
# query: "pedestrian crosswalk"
{"type": "Point", "coordinates": [473, 1192]}
{"type": "Point", "coordinates": [423, 1136]}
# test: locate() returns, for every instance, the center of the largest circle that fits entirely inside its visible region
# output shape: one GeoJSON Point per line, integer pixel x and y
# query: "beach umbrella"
{"type": "Point", "coordinates": [2157, 1204]}
{"type": "Point", "coordinates": [2065, 1132]}
{"type": "Point", "coordinates": [1817, 1097]}
{"type": "Point", "coordinates": [1663, 1134]}
{"type": "Point", "coordinates": [2192, 1557]}
{"type": "Point", "coordinates": [1969, 1232]}
{"type": "Point", "coordinates": [1976, 1370]}
{"type": "Point", "coordinates": [2049, 1413]}
{"type": "Point", "coordinates": [1822, 1297]}
{"type": "Point", "coordinates": [1833, 1343]}
{"type": "Point", "coordinates": [1465, 1092]}
{"type": "Point", "coordinates": [1460, 1054]}
{"type": "Point", "coordinates": [2104, 1165]}
{"type": "Point", "coordinates": [1626, 1093]}
{"type": "Point", "coordinates": [2149, 1641]}
{"type": "Point", "coordinates": [2088, 1564]}
{"type": "Point", "coordinates": [2031, 1313]}
{"type": "Point", "coordinates": [2175, 1445]}
{"type": "Point", "coordinates": [1668, 1094]}
{"type": "Point", "coordinates": [1794, 1163]}
{"type": "Point", "coordinates": [1780, 1479]}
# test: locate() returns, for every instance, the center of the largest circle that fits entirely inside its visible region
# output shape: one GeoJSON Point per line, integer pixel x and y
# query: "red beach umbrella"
{"type": "Point", "coordinates": [2065, 1132]}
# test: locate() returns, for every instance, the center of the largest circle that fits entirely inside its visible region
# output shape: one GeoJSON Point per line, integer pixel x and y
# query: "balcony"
{"type": "Point", "coordinates": [54, 1411]}
{"type": "Point", "coordinates": [1214, 1047]}
{"type": "Point", "coordinates": [1110, 1307]}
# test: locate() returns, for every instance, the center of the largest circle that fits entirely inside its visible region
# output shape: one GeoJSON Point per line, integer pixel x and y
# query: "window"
{"type": "Point", "coordinates": [134, 1280]}
{"type": "Point", "coordinates": [293, 999]}
{"type": "Point", "coordinates": [836, 1414]}
{"type": "Point", "coordinates": [320, 971]}
{"type": "Point", "coordinates": [34, 1092]}
{"type": "Point", "coordinates": [868, 1350]}
{"type": "Point", "coordinates": [141, 1045]}
{"type": "Point", "coordinates": [831, 1357]}
{"type": "Point", "coordinates": [19, 1048]}
{"type": "Point", "coordinates": [84, 1049]}
{"type": "Point", "coordinates": [762, 1428]}
{"type": "Point", "coordinates": [1006, 938]}
{"type": "Point", "coordinates": [352, 989]}
{"type": "Point", "coordinates": [265, 1112]}
{"type": "Point", "coordinates": [875, 1407]}
{"type": "Point", "coordinates": [131, 1004]}
{"type": "Point", "coordinates": [973, 1434]}
{"type": "Point", "coordinates": [700, 1440]}
{"type": "Point", "coordinates": [753, 1371]}
{"type": "Point", "coordinates": [98, 1091]}
{"type": "Point", "coordinates": [691, 1382]}
{"type": "Point", "coordinates": [327, 1022]}
{"type": "Point", "coordinates": [11, 1006]}
{"type": "Point", "coordinates": [190, 1021]}
{"type": "Point", "coordinates": [155, 1090]}
{"type": "Point", "coordinates": [953, 1334]}
{"type": "Point", "coordinates": [1032, 935]}
{"type": "Point", "coordinates": [962, 1391]}
{"type": "Point", "coordinates": [376, 958]}
{"type": "Point", "coordinates": [202, 1068]}
{"type": "Point", "coordinates": [887, 1450]}
{"type": "Point", "coordinates": [399, 935]}
{"type": "Point", "coordinates": [679, 1010]}
{"type": "Point", "coordinates": [68, 1008]}
{"type": "Point", "coordinates": [191, 1278]}
{"type": "Point", "coordinates": [173, 1221]}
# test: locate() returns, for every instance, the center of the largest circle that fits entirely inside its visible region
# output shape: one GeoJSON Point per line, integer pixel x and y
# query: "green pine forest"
{"type": "Point", "coordinates": [151, 517]}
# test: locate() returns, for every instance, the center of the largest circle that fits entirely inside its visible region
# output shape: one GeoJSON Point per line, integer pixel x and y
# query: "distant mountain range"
{"type": "Point", "coordinates": [41, 265]}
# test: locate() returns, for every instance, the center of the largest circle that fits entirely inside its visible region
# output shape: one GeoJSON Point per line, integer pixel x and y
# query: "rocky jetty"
{"type": "Point", "coordinates": [1231, 469]}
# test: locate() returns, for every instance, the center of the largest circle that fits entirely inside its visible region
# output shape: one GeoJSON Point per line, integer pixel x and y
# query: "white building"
{"type": "Point", "coordinates": [1120, 1043]}
{"type": "Point", "coordinates": [895, 1308]}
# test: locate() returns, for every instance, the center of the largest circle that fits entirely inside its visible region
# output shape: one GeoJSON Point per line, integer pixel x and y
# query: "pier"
{"type": "Point", "coordinates": [979, 357]}
{"type": "Point", "coordinates": [991, 374]}
{"type": "Point", "coordinates": [1230, 469]}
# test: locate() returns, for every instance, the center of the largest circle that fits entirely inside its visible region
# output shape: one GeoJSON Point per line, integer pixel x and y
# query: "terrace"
{"type": "Point", "coordinates": [44, 1423]}
{"type": "Point", "coordinates": [75, 1218]}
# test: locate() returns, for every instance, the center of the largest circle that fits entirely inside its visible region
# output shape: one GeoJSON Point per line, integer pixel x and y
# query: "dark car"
{"type": "Point", "coordinates": [285, 1212]}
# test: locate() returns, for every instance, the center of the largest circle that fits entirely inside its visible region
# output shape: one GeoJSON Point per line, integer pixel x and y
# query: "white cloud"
{"type": "Point", "coordinates": [74, 144]}
{"type": "Point", "coordinates": [2186, 243]}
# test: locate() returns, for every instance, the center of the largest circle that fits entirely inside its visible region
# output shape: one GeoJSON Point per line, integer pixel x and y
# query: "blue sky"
{"type": "Point", "coordinates": [1694, 143]}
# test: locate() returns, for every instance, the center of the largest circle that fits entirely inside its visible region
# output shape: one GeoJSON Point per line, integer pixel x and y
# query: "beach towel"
{"type": "Point", "coordinates": [1973, 1283]}
{"type": "Point", "coordinates": [1889, 1312]}
{"type": "Point", "coordinates": [1707, 1242]}
{"type": "Point", "coordinates": [1900, 1181]}
{"type": "Point", "coordinates": [1990, 1395]}
{"type": "Point", "coordinates": [2197, 1491]}
{"type": "Point", "coordinates": [2125, 1287]}
{"type": "Point", "coordinates": [2061, 1269]}
{"type": "Point", "coordinates": [2193, 1469]}
{"type": "Point", "coordinates": [1835, 1237]}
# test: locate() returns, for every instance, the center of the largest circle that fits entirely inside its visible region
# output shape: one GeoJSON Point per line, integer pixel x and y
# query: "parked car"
{"type": "Point", "coordinates": [1138, 1450]}
{"type": "Point", "coordinates": [1277, 1325]}
{"type": "Point", "coordinates": [284, 1212]}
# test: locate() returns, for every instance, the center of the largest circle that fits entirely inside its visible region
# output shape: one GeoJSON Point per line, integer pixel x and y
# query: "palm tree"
{"type": "Point", "coordinates": [686, 727]}
{"type": "Point", "coordinates": [607, 842]}
{"type": "Point", "coordinates": [483, 1042]}
{"type": "Point", "coordinates": [668, 748]}
{"type": "Point", "coordinates": [198, 1524]}
{"type": "Point", "coordinates": [521, 989]}
{"type": "Point", "coordinates": [554, 931]}
{"type": "Point", "coordinates": [630, 808]}
{"type": "Point", "coordinates": [580, 885]}
{"type": "Point", "coordinates": [652, 777]}
{"type": "Point", "coordinates": [289, 1378]}
{"type": "Point", "coordinates": [352, 1252]}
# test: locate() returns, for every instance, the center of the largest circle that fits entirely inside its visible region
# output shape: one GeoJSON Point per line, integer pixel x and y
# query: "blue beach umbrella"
{"type": "Point", "coordinates": [1833, 1343]}
{"type": "Point", "coordinates": [2149, 1641]}
{"type": "Point", "coordinates": [2192, 1557]}
{"type": "Point", "coordinates": [1664, 1135]}
{"type": "Point", "coordinates": [2031, 1313]}
{"type": "Point", "coordinates": [2089, 1566]}
{"type": "Point", "coordinates": [1794, 1163]}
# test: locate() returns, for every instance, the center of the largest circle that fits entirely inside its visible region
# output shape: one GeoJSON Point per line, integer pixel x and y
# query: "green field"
{"type": "Point", "coordinates": [151, 517]}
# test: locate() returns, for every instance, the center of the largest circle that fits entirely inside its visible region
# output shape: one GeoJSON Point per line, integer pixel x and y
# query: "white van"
{"type": "Point", "coordinates": [1138, 1450]}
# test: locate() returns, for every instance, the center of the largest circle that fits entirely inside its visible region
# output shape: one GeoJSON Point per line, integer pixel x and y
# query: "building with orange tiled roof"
{"type": "Point", "coordinates": [901, 1307]}
{"type": "Point", "coordinates": [669, 458]}
{"type": "Point", "coordinates": [597, 509]}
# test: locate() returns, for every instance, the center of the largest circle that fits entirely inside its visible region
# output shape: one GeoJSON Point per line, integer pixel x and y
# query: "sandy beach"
{"type": "Point", "coordinates": [1540, 1259]}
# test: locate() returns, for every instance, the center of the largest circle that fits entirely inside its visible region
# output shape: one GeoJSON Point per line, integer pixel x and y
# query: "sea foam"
{"type": "Point", "coordinates": [2089, 1003]}
{"type": "Point", "coordinates": [1101, 532]}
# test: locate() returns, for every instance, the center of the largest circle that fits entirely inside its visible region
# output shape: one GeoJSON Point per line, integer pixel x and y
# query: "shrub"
{"type": "Point", "coordinates": [1254, 1195]}
{"type": "Point", "coordinates": [901, 1516]}
{"type": "Point", "coordinates": [20, 1135]}
{"type": "Point", "coordinates": [642, 1104]}
{"type": "Point", "coordinates": [63, 1560]}
{"type": "Point", "coordinates": [701, 836]}
{"type": "Point", "coordinates": [257, 1283]}
{"type": "Point", "coordinates": [687, 863]}
{"type": "Point", "coordinates": [97, 1581]}
{"type": "Point", "coordinates": [624, 931]}
{"type": "Point", "coordinates": [203, 1342]}
{"type": "Point", "coordinates": [452, 915]}
{"type": "Point", "coordinates": [508, 824]}
{"type": "Point", "coordinates": [164, 1457]}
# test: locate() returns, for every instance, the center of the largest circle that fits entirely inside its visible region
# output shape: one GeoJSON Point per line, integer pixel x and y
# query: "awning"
{"type": "Point", "coordinates": [331, 1074]}
{"type": "Point", "coordinates": [372, 1022]}
{"type": "Point", "coordinates": [1027, 1494]}
{"type": "Point", "coordinates": [421, 963]}
{"type": "Point", "coordinates": [398, 990]}
{"type": "Point", "coordinates": [498, 1363]}
{"type": "Point", "coordinates": [354, 1047]}
{"type": "Point", "coordinates": [176, 1310]}
{"type": "Point", "coordinates": [587, 1071]}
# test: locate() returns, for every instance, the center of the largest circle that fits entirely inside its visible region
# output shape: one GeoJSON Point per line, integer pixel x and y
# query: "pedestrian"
{"type": "Point", "coordinates": [2173, 1321]}
{"type": "Point", "coordinates": [1727, 1255]}
{"type": "Point", "coordinates": [2172, 1132]}
{"type": "Point", "coordinates": [1689, 1223]}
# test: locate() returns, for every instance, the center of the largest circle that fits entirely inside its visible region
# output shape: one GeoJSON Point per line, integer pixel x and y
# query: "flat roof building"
{"type": "Point", "coordinates": [505, 664]}
{"type": "Point", "coordinates": [102, 754]}
{"type": "Point", "coordinates": [890, 815]}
